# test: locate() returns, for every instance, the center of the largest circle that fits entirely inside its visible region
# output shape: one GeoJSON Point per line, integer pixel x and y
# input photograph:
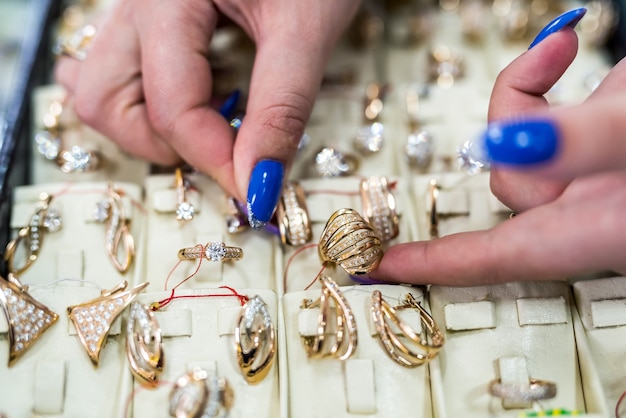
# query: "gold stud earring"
{"type": "Point", "coordinates": [28, 319]}
{"type": "Point", "coordinates": [93, 319]}
{"type": "Point", "coordinates": [144, 345]}
{"type": "Point", "coordinates": [338, 340]}
{"type": "Point", "coordinates": [255, 340]}
{"type": "Point", "coordinates": [420, 350]}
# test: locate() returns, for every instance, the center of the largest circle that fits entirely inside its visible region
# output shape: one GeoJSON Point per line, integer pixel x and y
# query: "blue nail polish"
{"type": "Point", "coordinates": [522, 142]}
{"type": "Point", "coordinates": [229, 106]}
{"type": "Point", "coordinates": [570, 19]}
{"type": "Point", "coordinates": [266, 183]}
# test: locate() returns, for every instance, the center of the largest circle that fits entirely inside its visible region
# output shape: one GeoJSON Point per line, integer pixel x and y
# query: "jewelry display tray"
{"type": "Point", "coordinates": [562, 331]}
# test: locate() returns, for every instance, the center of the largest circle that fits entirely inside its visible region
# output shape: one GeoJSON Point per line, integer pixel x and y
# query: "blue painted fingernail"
{"type": "Point", "coordinates": [521, 142]}
{"type": "Point", "coordinates": [266, 182]}
{"type": "Point", "coordinates": [567, 19]}
{"type": "Point", "coordinates": [229, 106]}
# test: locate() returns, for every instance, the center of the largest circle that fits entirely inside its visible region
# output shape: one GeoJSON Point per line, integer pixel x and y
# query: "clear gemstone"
{"type": "Point", "coordinates": [76, 159]}
{"type": "Point", "coordinates": [185, 211]}
{"type": "Point", "coordinates": [369, 138]}
{"type": "Point", "coordinates": [52, 221]}
{"type": "Point", "coordinates": [419, 149]}
{"type": "Point", "coordinates": [48, 145]}
{"type": "Point", "coordinates": [331, 163]}
{"type": "Point", "coordinates": [101, 212]}
{"type": "Point", "coordinates": [470, 160]}
{"type": "Point", "coordinates": [215, 251]}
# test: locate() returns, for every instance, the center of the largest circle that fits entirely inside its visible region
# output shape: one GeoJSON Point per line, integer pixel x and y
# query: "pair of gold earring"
{"type": "Point", "coordinates": [336, 334]}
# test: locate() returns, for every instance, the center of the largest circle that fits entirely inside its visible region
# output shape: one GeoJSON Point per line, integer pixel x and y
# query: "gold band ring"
{"type": "Point", "coordinates": [535, 390]}
{"type": "Point", "coordinates": [293, 216]}
{"type": "Point", "coordinates": [379, 207]}
{"type": "Point", "coordinates": [212, 251]}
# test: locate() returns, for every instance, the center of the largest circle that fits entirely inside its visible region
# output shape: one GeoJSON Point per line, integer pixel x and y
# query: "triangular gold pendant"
{"type": "Point", "coordinates": [28, 319]}
{"type": "Point", "coordinates": [93, 319]}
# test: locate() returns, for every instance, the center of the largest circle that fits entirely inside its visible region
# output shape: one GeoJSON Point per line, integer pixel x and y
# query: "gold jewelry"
{"type": "Point", "coordinates": [293, 215]}
{"type": "Point", "coordinates": [444, 66]}
{"type": "Point", "coordinates": [433, 217]}
{"type": "Point", "coordinates": [236, 218]}
{"type": "Point", "coordinates": [27, 318]}
{"type": "Point", "coordinates": [330, 163]}
{"type": "Point", "coordinates": [255, 340]}
{"type": "Point", "coordinates": [184, 210]}
{"type": "Point", "coordinates": [77, 44]}
{"type": "Point", "coordinates": [93, 319]}
{"type": "Point", "coordinates": [370, 137]}
{"type": "Point", "coordinates": [144, 345]}
{"type": "Point", "coordinates": [350, 241]}
{"type": "Point", "coordinates": [535, 390]}
{"type": "Point", "coordinates": [379, 207]}
{"type": "Point", "coordinates": [212, 251]}
{"type": "Point", "coordinates": [196, 394]}
{"type": "Point", "coordinates": [340, 340]}
{"type": "Point", "coordinates": [384, 315]}
{"type": "Point", "coordinates": [117, 234]}
{"type": "Point", "coordinates": [31, 236]}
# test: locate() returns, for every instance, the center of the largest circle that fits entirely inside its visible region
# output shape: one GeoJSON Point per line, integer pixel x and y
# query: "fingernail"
{"type": "Point", "coordinates": [264, 189]}
{"type": "Point", "coordinates": [521, 143]}
{"type": "Point", "coordinates": [570, 19]}
{"type": "Point", "coordinates": [229, 106]}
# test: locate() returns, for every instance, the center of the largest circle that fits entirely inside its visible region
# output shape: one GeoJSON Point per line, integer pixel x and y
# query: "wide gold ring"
{"type": "Point", "coordinates": [77, 44]}
{"type": "Point", "coordinates": [535, 390]}
{"type": "Point", "coordinates": [350, 241]}
{"type": "Point", "coordinates": [212, 251]}
{"type": "Point", "coordinates": [379, 207]}
{"type": "Point", "coordinates": [293, 216]}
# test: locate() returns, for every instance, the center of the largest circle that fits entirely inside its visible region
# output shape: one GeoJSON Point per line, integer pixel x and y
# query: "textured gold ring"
{"type": "Point", "coordinates": [212, 251]}
{"type": "Point", "coordinates": [379, 207]}
{"type": "Point", "coordinates": [293, 216]}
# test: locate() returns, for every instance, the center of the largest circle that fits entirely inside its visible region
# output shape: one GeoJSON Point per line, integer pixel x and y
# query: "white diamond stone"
{"type": "Point", "coordinates": [331, 163]}
{"type": "Point", "coordinates": [369, 138]}
{"type": "Point", "coordinates": [470, 160]}
{"type": "Point", "coordinates": [48, 145]}
{"type": "Point", "coordinates": [101, 212]}
{"type": "Point", "coordinates": [215, 251]}
{"type": "Point", "coordinates": [76, 159]}
{"type": "Point", "coordinates": [185, 211]}
{"type": "Point", "coordinates": [419, 149]}
{"type": "Point", "coordinates": [52, 221]}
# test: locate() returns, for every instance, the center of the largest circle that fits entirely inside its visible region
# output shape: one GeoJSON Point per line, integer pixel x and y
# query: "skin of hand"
{"type": "Point", "coordinates": [573, 223]}
{"type": "Point", "coordinates": [146, 82]}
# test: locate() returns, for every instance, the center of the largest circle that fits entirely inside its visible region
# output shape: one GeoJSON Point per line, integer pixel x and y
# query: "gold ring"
{"type": "Point", "coordinates": [77, 44]}
{"type": "Point", "coordinates": [433, 217]}
{"type": "Point", "coordinates": [535, 390]}
{"type": "Point", "coordinates": [379, 207]}
{"type": "Point", "coordinates": [293, 216]}
{"type": "Point", "coordinates": [184, 210]}
{"type": "Point", "coordinates": [350, 241]}
{"type": "Point", "coordinates": [196, 394]}
{"type": "Point", "coordinates": [212, 251]}
{"type": "Point", "coordinates": [255, 340]}
{"type": "Point", "coordinates": [144, 345]}
{"type": "Point", "coordinates": [31, 236]}
{"type": "Point", "coordinates": [331, 163]}
{"type": "Point", "coordinates": [385, 316]}
{"type": "Point", "coordinates": [338, 340]}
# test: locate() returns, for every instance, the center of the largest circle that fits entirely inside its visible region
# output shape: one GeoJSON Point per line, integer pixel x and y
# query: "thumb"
{"type": "Point", "coordinates": [285, 80]}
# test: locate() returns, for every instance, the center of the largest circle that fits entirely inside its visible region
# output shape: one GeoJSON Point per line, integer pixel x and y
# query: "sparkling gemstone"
{"type": "Point", "coordinates": [369, 138]}
{"type": "Point", "coordinates": [185, 211]}
{"type": "Point", "coordinates": [470, 160]}
{"type": "Point", "coordinates": [76, 159]}
{"type": "Point", "coordinates": [215, 251]}
{"type": "Point", "coordinates": [233, 224]}
{"type": "Point", "coordinates": [48, 145]}
{"type": "Point", "coordinates": [419, 149]}
{"type": "Point", "coordinates": [305, 140]}
{"type": "Point", "coordinates": [101, 212]}
{"type": "Point", "coordinates": [52, 221]}
{"type": "Point", "coordinates": [331, 163]}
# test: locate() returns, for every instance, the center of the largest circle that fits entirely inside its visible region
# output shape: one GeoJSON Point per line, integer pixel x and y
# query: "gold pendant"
{"type": "Point", "coordinates": [144, 345]}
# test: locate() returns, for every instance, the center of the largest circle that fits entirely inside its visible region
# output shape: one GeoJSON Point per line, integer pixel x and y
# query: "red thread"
{"type": "Point", "coordinates": [316, 277]}
{"type": "Point", "coordinates": [132, 394]}
{"type": "Point", "coordinates": [618, 404]}
{"type": "Point", "coordinates": [291, 257]}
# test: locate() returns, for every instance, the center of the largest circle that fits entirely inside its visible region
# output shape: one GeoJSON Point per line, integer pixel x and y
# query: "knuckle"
{"type": "Point", "coordinates": [288, 117]}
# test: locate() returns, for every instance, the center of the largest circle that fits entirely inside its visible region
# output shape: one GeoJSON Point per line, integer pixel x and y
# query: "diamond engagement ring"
{"type": "Point", "coordinates": [212, 251]}
{"type": "Point", "coordinates": [331, 163]}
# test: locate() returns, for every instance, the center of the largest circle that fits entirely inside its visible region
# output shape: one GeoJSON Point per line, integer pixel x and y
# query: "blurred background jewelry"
{"type": "Point", "coordinates": [535, 390]}
{"type": "Point", "coordinates": [49, 143]}
{"type": "Point", "coordinates": [336, 328]}
{"type": "Point", "coordinates": [212, 251]}
{"type": "Point", "coordinates": [144, 345]}
{"type": "Point", "coordinates": [118, 237]}
{"type": "Point", "coordinates": [408, 349]}
{"type": "Point", "coordinates": [379, 207]}
{"type": "Point", "coordinates": [255, 340]}
{"type": "Point", "coordinates": [433, 216]}
{"type": "Point", "coordinates": [27, 318]}
{"type": "Point", "coordinates": [293, 216]}
{"type": "Point", "coordinates": [444, 66]}
{"type": "Point", "coordinates": [370, 137]}
{"type": "Point", "coordinates": [184, 210]}
{"type": "Point", "coordinates": [93, 319]}
{"type": "Point", "coordinates": [29, 239]}
{"type": "Point", "coordinates": [236, 217]}
{"type": "Point", "coordinates": [420, 146]}
{"type": "Point", "coordinates": [77, 44]}
{"type": "Point", "coordinates": [469, 160]}
{"type": "Point", "coordinates": [330, 163]}
{"type": "Point", "coordinates": [196, 394]}
{"type": "Point", "coordinates": [350, 241]}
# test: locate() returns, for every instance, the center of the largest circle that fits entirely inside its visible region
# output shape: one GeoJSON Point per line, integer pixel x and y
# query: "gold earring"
{"type": "Point", "coordinates": [379, 207]}
{"type": "Point", "coordinates": [196, 394]}
{"type": "Point", "coordinates": [184, 210]}
{"type": "Point", "coordinates": [344, 342]}
{"type": "Point", "coordinates": [93, 319]}
{"type": "Point", "coordinates": [31, 236]}
{"type": "Point", "coordinates": [27, 318]}
{"type": "Point", "coordinates": [117, 235]}
{"type": "Point", "coordinates": [255, 340]}
{"type": "Point", "coordinates": [144, 345]}
{"type": "Point", "coordinates": [350, 241]}
{"type": "Point", "coordinates": [384, 316]}
{"type": "Point", "coordinates": [293, 216]}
